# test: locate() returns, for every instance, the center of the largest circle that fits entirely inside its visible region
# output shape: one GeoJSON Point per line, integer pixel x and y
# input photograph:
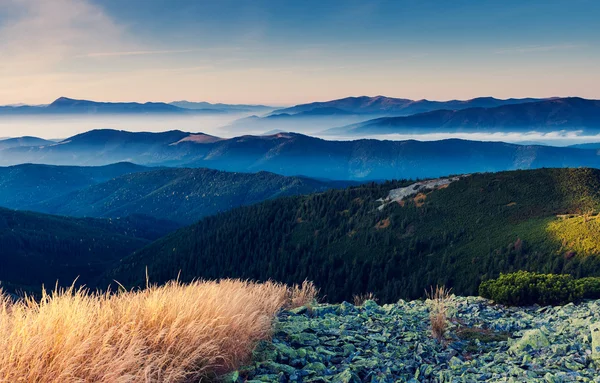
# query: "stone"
{"type": "Point", "coordinates": [531, 340]}
{"type": "Point", "coordinates": [595, 330]}
{"type": "Point", "coordinates": [346, 376]}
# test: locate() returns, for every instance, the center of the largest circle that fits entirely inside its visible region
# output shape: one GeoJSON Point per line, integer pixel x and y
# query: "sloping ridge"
{"type": "Point", "coordinates": [474, 228]}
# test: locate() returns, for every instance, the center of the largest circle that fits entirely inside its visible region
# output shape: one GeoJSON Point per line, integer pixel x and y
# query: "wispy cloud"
{"type": "Point", "coordinates": [539, 48]}
{"type": "Point", "coordinates": [139, 53]}
{"type": "Point", "coordinates": [41, 35]}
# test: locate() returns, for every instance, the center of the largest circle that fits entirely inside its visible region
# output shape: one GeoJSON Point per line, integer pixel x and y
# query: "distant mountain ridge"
{"type": "Point", "coordinates": [549, 115]}
{"type": "Point", "coordinates": [294, 154]}
{"type": "Point", "coordinates": [176, 194]}
{"type": "Point", "coordinates": [23, 185]}
{"type": "Point", "coordinates": [319, 116]}
{"type": "Point", "coordinates": [230, 108]}
{"type": "Point", "coordinates": [23, 141]}
{"type": "Point", "coordinates": [397, 106]}
{"type": "Point", "coordinates": [65, 105]}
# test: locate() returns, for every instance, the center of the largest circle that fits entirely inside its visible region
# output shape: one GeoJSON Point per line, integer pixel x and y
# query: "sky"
{"type": "Point", "coordinates": [289, 52]}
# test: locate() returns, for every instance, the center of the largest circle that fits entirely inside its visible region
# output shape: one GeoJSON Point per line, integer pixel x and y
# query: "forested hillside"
{"type": "Point", "coordinates": [23, 185]}
{"type": "Point", "coordinates": [180, 195]}
{"type": "Point", "coordinates": [38, 249]}
{"type": "Point", "coordinates": [456, 235]}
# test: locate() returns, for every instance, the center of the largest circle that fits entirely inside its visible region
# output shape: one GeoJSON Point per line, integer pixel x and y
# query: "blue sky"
{"type": "Point", "coordinates": [287, 52]}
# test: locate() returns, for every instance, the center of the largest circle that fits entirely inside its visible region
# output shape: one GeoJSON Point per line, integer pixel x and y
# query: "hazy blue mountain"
{"type": "Point", "coordinates": [181, 195]}
{"type": "Point", "coordinates": [65, 105]}
{"type": "Point", "coordinates": [23, 185]}
{"type": "Point", "coordinates": [549, 115]}
{"type": "Point", "coordinates": [24, 141]}
{"type": "Point", "coordinates": [398, 106]}
{"type": "Point", "coordinates": [320, 116]}
{"type": "Point", "coordinates": [591, 145]}
{"type": "Point", "coordinates": [297, 154]}
{"type": "Point", "coordinates": [229, 108]}
{"type": "Point", "coordinates": [102, 147]}
{"type": "Point", "coordinates": [311, 121]}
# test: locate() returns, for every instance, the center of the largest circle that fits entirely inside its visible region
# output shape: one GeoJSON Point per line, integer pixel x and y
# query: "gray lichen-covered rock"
{"type": "Point", "coordinates": [392, 343]}
{"type": "Point", "coordinates": [531, 340]}
{"type": "Point", "coordinates": [595, 330]}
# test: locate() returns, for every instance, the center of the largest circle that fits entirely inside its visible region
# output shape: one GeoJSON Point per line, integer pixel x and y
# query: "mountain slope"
{"type": "Point", "coordinates": [41, 249]}
{"type": "Point", "coordinates": [306, 122]}
{"type": "Point", "coordinates": [229, 108]}
{"type": "Point", "coordinates": [295, 154]}
{"type": "Point", "coordinates": [101, 147]}
{"type": "Point", "coordinates": [23, 185]}
{"type": "Point", "coordinates": [65, 105]}
{"type": "Point", "coordinates": [455, 234]}
{"type": "Point", "coordinates": [548, 115]}
{"type": "Point", "coordinates": [181, 195]}
{"type": "Point", "coordinates": [591, 145]}
{"type": "Point", "coordinates": [399, 106]}
{"type": "Point", "coordinates": [23, 141]}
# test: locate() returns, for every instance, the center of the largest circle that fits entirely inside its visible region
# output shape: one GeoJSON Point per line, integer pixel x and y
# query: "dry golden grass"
{"type": "Point", "coordinates": [360, 299]}
{"type": "Point", "coordinates": [302, 295]}
{"type": "Point", "coordinates": [438, 311]}
{"type": "Point", "coordinates": [172, 333]}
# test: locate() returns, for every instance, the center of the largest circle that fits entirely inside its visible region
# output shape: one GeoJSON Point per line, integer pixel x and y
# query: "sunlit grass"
{"type": "Point", "coordinates": [580, 234]}
{"type": "Point", "coordinates": [172, 333]}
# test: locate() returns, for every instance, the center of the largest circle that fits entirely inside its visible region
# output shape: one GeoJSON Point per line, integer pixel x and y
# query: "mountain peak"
{"type": "Point", "coordinates": [61, 101]}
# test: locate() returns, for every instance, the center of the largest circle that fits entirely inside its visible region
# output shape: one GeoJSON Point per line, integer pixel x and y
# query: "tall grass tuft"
{"type": "Point", "coordinates": [171, 333]}
{"type": "Point", "coordinates": [438, 311]}
{"type": "Point", "coordinates": [360, 299]}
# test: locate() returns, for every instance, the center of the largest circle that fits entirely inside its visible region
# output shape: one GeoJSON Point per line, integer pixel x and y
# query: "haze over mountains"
{"type": "Point", "coordinates": [295, 154]}
{"type": "Point", "coordinates": [235, 108]}
{"type": "Point", "coordinates": [65, 105]}
{"type": "Point", "coordinates": [544, 116]}
{"type": "Point", "coordinates": [257, 195]}
{"type": "Point", "coordinates": [345, 118]}
{"type": "Point", "coordinates": [395, 106]}
{"type": "Point", "coordinates": [23, 141]}
{"type": "Point", "coordinates": [317, 116]}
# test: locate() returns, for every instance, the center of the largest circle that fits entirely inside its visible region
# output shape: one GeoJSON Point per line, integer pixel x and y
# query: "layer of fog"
{"type": "Point", "coordinates": [57, 127]}
{"type": "Point", "coordinates": [557, 138]}
{"type": "Point", "coordinates": [64, 126]}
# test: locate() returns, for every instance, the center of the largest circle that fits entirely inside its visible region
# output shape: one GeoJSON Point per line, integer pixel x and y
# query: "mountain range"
{"type": "Point", "coordinates": [229, 108]}
{"type": "Point", "coordinates": [380, 105]}
{"type": "Point", "coordinates": [393, 239]}
{"type": "Point", "coordinates": [394, 106]}
{"type": "Point", "coordinates": [390, 238]}
{"type": "Point", "coordinates": [23, 185]}
{"type": "Point", "coordinates": [180, 195]}
{"type": "Point", "coordinates": [293, 154]}
{"type": "Point", "coordinates": [364, 116]}
{"type": "Point", "coordinates": [543, 116]}
{"type": "Point", "coordinates": [24, 141]}
{"type": "Point", "coordinates": [65, 105]}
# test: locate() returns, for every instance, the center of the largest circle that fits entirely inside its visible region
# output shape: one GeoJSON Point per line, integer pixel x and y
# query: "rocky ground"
{"type": "Point", "coordinates": [393, 343]}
